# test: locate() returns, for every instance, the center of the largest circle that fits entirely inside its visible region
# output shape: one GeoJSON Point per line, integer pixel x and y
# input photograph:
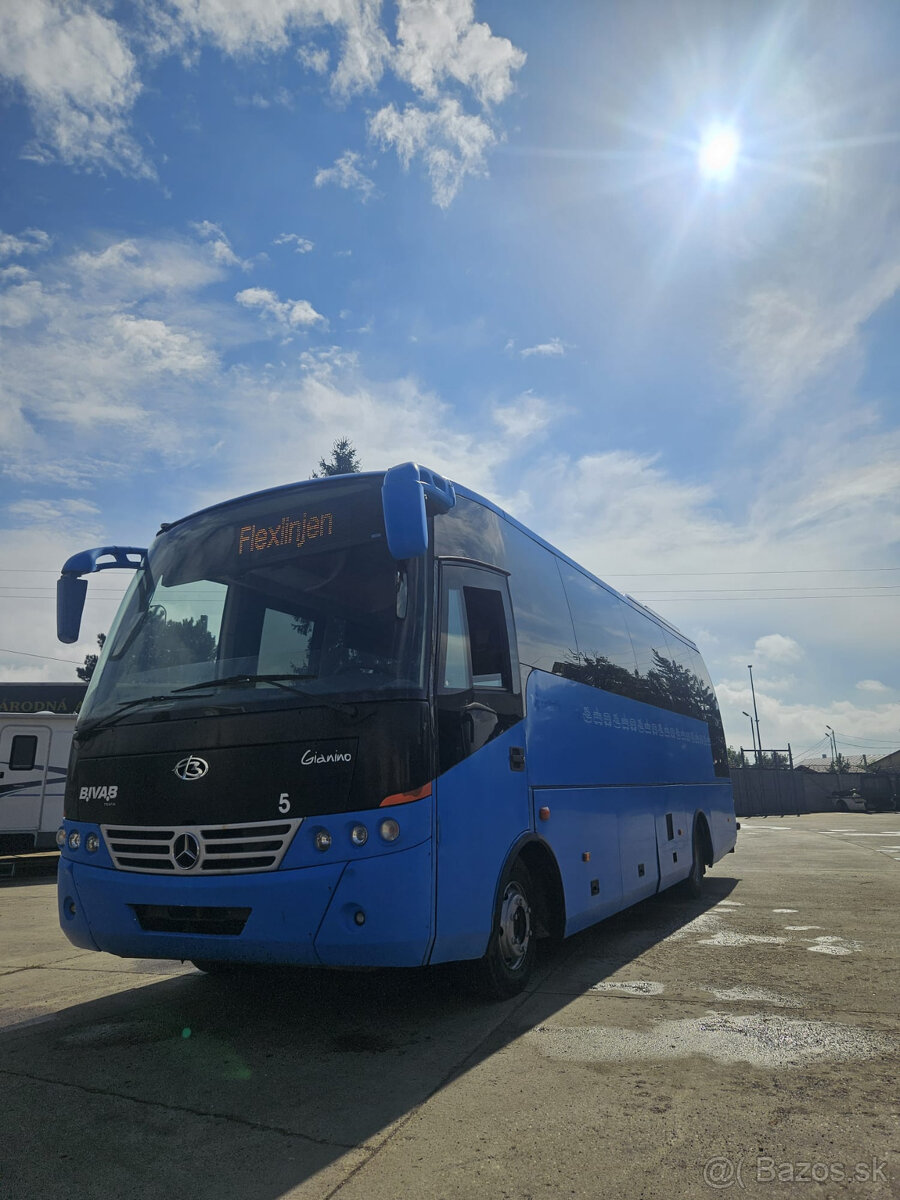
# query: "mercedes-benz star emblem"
{"type": "Point", "coordinates": [191, 767]}
{"type": "Point", "coordinates": [186, 851]}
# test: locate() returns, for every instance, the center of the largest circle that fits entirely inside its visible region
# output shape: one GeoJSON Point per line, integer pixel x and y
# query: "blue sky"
{"type": "Point", "coordinates": [477, 236]}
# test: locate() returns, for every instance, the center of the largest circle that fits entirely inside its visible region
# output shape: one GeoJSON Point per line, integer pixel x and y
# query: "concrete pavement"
{"type": "Point", "coordinates": [746, 1043]}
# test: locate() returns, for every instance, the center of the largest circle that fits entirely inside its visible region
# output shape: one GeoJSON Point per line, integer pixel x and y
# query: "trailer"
{"type": "Point", "coordinates": [34, 757]}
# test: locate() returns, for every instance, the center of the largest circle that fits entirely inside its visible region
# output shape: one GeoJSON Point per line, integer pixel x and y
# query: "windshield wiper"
{"type": "Point", "coordinates": [237, 680]}
{"type": "Point", "coordinates": [117, 714]}
{"type": "Point", "coordinates": [286, 681]}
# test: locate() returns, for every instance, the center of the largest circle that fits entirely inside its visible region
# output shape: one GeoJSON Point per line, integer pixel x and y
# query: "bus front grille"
{"type": "Point", "coordinates": [200, 849]}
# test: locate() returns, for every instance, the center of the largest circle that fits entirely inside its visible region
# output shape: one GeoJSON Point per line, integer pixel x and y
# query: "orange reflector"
{"type": "Point", "coordinates": [544, 813]}
{"type": "Point", "coordinates": [406, 797]}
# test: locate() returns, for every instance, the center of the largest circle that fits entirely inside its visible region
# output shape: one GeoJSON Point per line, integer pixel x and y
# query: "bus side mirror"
{"type": "Point", "coordinates": [71, 589]}
{"type": "Point", "coordinates": [70, 595]}
{"type": "Point", "coordinates": [403, 496]}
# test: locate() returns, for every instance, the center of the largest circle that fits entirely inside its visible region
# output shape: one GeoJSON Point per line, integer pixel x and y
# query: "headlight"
{"type": "Point", "coordinates": [389, 830]}
{"type": "Point", "coordinates": [74, 839]}
{"type": "Point", "coordinates": [323, 840]}
{"type": "Point", "coordinates": [60, 837]}
{"type": "Point", "coordinates": [359, 835]}
{"type": "Point", "coordinates": [92, 843]}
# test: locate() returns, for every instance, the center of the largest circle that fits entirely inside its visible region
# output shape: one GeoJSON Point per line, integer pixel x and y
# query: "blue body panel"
{"type": "Point", "coordinates": [593, 759]}
{"type": "Point", "coordinates": [482, 811]}
{"type": "Point", "coordinates": [302, 913]}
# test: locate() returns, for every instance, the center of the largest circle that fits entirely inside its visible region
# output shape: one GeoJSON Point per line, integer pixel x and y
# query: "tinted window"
{"type": "Point", "coordinates": [605, 658]}
{"type": "Point", "coordinates": [469, 530]}
{"type": "Point", "coordinates": [22, 752]}
{"type": "Point", "coordinates": [487, 638]}
{"type": "Point", "coordinates": [543, 622]}
{"type": "Point", "coordinates": [651, 654]}
{"type": "Point", "coordinates": [709, 712]}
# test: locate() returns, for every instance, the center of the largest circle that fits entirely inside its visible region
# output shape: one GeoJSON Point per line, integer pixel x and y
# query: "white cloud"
{"type": "Point", "coordinates": [138, 269]}
{"type": "Point", "coordinates": [451, 143]}
{"type": "Point", "coordinates": [872, 685]}
{"type": "Point", "coordinates": [289, 314]}
{"type": "Point", "coordinates": [314, 58]}
{"type": "Point", "coordinates": [23, 303]}
{"type": "Point", "coordinates": [281, 98]}
{"type": "Point", "coordinates": [52, 512]}
{"type": "Point", "coordinates": [102, 339]}
{"type": "Point", "coordinates": [527, 416]}
{"type": "Point", "coordinates": [79, 79]}
{"type": "Point", "coordinates": [551, 349]}
{"type": "Point", "coordinates": [439, 39]}
{"type": "Point", "coordinates": [776, 648]}
{"type": "Point", "coordinates": [346, 174]}
{"type": "Point", "coordinates": [220, 246]}
{"type": "Point", "coordinates": [79, 74]}
{"type": "Point", "coordinates": [29, 241]}
{"type": "Point", "coordinates": [302, 245]}
{"type": "Point", "coordinates": [819, 219]}
{"type": "Point", "coordinates": [802, 723]}
{"type": "Point", "coordinates": [267, 28]}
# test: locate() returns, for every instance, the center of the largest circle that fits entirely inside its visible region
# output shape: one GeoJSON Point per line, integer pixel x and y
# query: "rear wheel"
{"type": "Point", "coordinates": [693, 885]}
{"type": "Point", "coordinates": [509, 961]}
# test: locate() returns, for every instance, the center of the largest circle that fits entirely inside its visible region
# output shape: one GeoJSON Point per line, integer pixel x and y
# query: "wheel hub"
{"type": "Point", "coordinates": [515, 926]}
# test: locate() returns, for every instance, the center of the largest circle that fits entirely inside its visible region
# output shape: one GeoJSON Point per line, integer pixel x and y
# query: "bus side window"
{"type": "Point", "coordinates": [488, 640]}
{"type": "Point", "coordinates": [475, 649]}
{"type": "Point", "coordinates": [455, 675]}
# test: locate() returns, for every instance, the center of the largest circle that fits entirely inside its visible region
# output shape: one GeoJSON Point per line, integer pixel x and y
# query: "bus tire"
{"type": "Point", "coordinates": [693, 885]}
{"type": "Point", "coordinates": [509, 960]}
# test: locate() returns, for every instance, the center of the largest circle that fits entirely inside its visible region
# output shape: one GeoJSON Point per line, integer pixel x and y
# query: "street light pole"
{"type": "Point", "coordinates": [755, 711]}
{"type": "Point", "coordinates": [752, 736]}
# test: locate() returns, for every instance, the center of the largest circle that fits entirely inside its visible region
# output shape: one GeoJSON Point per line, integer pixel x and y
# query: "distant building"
{"type": "Point", "coordinates": [41, 697]}
{"type": "Point", "coordinates": [890, 762]}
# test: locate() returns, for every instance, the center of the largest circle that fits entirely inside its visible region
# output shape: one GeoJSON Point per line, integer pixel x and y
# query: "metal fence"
{"type": "Point", "coordinates": [768, 792]}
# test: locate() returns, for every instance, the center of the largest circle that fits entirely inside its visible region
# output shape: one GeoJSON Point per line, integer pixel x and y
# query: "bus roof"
{"type": "Point", "coordinates": [462, 491]}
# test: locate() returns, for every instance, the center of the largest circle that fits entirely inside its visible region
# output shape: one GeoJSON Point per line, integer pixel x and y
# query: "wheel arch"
{"type": "Point", "coordinates": [701, 824]}
{"type": "Point", "coordinates": [543, 868]}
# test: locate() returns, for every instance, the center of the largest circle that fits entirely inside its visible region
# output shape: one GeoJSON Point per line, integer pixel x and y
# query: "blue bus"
{"type": "Point", "coordinates": [372, 721]}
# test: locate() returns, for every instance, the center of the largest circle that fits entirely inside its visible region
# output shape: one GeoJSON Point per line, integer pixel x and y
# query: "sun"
{"type": "Point", "coordinates": [718, 152]}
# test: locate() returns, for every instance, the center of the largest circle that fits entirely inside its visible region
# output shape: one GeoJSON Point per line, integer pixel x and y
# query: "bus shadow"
{"type": "Point", "coordinates": [254, 1084]}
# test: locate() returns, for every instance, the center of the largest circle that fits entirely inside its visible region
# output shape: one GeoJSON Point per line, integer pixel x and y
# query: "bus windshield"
{"type": "Point", "coordinates": [280, 605]}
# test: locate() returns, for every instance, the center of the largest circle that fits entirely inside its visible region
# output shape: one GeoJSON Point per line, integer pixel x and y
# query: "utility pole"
{"type": "Point", "coordinates": [835, 761]}
{"type": "Point", "coordinates": [755, 711]}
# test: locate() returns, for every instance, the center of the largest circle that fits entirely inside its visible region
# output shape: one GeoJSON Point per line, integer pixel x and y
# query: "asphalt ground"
{"type": "Point", "coordinates": [744, 1044]}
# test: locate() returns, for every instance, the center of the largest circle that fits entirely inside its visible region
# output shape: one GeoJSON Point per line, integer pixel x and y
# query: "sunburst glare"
{"type": "Point", "coordinates": [718, 152]}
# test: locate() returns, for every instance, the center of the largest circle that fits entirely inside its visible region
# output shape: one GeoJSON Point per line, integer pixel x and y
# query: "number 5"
{"type": "Point", "coordinates": [284, 804]}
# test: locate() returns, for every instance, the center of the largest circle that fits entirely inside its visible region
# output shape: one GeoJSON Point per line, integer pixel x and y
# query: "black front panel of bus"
{"type": "Point", "coordinates": [245, 767]}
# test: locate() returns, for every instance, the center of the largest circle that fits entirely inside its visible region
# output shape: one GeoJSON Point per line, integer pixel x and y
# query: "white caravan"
{"type": "Point", "coordinates": [34, 756]}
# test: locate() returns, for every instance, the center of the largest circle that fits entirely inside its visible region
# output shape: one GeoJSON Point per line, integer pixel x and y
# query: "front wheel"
{"type": "Point", "coordinates": [509, 961]}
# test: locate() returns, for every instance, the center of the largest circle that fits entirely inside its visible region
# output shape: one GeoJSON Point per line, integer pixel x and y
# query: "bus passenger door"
{"type": "Point", "coordinates": [481, 788]}
{"type": "Point", "coordinates": [23, 767]}
{"type": "Point", "coordinates": [478, 691]}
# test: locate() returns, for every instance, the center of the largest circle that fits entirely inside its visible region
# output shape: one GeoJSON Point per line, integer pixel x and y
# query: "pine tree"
{"type": "Point", "coordinates": [344, 460]}
{"type": "Point", "coordinates": [90, 662]}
